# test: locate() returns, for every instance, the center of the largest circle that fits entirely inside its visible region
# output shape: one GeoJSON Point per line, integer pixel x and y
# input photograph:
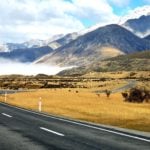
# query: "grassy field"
{"type": "Point", "coordinates": [86, 105]}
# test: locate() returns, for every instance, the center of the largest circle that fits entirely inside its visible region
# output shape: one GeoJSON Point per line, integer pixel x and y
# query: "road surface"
{"type": "Point", "coordinates": [26, 130]}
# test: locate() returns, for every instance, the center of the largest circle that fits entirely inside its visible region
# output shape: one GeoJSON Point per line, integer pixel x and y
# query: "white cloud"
{"type": "Point", "coordinates": [96, 11]}
{"type": "Point", "coordinates": [10, 67]}
{"type": "Point", "coordinates": [22, 20]}
{"type": "Point", "coordinates": [39, 19]}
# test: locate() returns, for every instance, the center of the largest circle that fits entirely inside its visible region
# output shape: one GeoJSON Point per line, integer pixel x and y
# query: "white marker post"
{"type": "Point", "coordinates": [40, 104]}
{"type": "Point", "coordinates": [5, 97]}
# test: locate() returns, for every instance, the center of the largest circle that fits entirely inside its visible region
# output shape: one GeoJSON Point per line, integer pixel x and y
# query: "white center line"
{"type": "Point", "coordinates": [54, 132]}
{"type": "Point", "coordinates": [6, 115]}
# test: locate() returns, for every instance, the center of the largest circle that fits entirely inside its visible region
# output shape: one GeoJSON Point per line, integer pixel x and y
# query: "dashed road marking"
{"type": "Point", "coordinates": [51, 131]}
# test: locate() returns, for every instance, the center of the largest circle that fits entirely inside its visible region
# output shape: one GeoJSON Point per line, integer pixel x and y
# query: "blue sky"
{"type": "Point", "coordinates": [22, 20]}
{"type": "Point", "coordinates": [131, 5]}
{"type": "Point", "coordinates": [120, 8]}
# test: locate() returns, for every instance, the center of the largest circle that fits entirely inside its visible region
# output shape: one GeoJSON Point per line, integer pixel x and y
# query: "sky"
{"type": "Point", "coordinates": [23, 20]}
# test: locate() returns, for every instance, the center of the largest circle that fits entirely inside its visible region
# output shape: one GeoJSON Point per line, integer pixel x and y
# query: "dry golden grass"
{"type": "Point", "coordinates": [106, 52]}
{"type": "Point", "coordinates": [119, 74]}
{"type": "Point", "coordinates": [144, 84]}
{"type": "Point", "coordinates": [109, 85]}
{"type": "Point", "coordinates": [87, 106]}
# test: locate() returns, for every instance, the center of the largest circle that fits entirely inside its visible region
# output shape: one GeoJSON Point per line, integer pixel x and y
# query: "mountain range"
{"type": "Point", "coordinates": [102, 43]}
{"type": "Point", "coordinates": [84, 48]}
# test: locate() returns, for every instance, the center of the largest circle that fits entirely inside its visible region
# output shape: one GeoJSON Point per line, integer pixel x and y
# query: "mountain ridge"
{"type": "Point", "coordinates": [88, 47]}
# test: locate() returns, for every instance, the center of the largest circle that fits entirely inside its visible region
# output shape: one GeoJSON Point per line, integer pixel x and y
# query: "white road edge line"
{"type": "Point", "coordinates": [51, 131]}
{"type": "Point", "coordinates": [82, 124]}
{"type": "Point", "coordinates": [6, 115]}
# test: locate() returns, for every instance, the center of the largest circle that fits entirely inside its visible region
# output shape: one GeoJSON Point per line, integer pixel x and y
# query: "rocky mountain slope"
{"type": "Point", "coordinates": [93, 47]}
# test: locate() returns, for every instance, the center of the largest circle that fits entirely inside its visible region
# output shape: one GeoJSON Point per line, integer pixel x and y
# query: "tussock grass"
{"type": "Point", "coordinates": [119, 74]}
{"type": "Point", "coordinates": [87, 106]}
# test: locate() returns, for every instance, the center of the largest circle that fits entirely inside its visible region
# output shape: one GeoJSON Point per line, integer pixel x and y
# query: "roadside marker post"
{"type": "Point", "coordinates": [40, 104]}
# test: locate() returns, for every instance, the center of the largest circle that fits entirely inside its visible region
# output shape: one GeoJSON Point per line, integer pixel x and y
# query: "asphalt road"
{"type": "Point", "coordinates": [25, 130]}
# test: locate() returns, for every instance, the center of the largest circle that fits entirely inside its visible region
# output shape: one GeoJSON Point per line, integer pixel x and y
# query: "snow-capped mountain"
{"type": "Point", "coordinates": [134, 14]}
{"type": "Point", "coordinates": [31, 50]}
{"type": "Point", "coordinates": [8, 47]}
{"type": "Point", "coordinates": [54, 42]}
{"type": "Point", "coordinates": [3, 48]}
{"type": "Point", "coordinates": [139, 26]}
{"type": "Point", "coordinates": [34, 43]}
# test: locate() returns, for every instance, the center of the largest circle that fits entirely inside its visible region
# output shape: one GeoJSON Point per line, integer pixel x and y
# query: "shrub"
{"type": "Point", "coordinates": [125, 95]}
{"type": "Point", "coordinates": [137, 95]}
{"type": "Point", "coordinates": [98, 94]}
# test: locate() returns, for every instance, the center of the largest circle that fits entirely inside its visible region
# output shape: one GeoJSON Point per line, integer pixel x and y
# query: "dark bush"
{"type": "Point", "coordinates": [137, 95]}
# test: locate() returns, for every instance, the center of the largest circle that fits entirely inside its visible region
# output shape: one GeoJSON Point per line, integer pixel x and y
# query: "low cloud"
{"type": "Point", "coordinates": [8, 68]}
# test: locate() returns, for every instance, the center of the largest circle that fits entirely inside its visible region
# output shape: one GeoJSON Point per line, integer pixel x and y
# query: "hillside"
{"type": "Point", "coordinates": [91, 47]}
{"type": "Point", "coordinates": [132, 62]}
